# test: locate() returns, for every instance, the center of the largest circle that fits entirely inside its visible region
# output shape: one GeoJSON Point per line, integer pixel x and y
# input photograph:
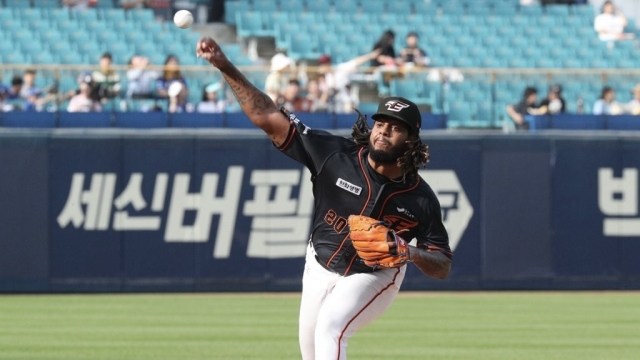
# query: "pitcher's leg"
{"type": "Point", "coordinates": [355, 301]}
{"type": "Point", "coordinates": [317, 282]}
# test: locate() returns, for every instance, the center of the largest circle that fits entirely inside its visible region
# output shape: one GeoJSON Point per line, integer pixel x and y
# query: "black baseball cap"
{"type": "Point", "coordinates": [402, 109]}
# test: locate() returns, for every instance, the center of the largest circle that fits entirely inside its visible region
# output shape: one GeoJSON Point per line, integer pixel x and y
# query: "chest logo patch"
{"type": "Point", "coordinates": [344, 184]}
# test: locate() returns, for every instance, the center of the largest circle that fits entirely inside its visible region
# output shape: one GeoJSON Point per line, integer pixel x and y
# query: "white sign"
{"type": "Point", "coordinates": [456, 208]}
{"type": "Point", "coordinates": [618, 201]}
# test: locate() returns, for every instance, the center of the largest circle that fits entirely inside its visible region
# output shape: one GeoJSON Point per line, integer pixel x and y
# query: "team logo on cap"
{"type": "Point", "coordinates": [395, 105]}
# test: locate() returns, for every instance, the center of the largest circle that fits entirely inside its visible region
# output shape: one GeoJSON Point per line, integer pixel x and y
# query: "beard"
{"type": "Point", "coordinates": [385, 157]}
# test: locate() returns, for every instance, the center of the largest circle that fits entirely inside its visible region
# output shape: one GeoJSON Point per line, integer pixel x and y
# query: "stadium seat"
{"type": "Point", "coordinates": [21, 4]}
{"type": "Point", "coordinates": [302, 47]}
{"type": "Point", "coordinates": [46, 4]}
{"type": "Point", "coordinates": [232, 8]}
{"type": "Point", "coordinates": [251, 24]}
{"type": "Point", "coordinates": [318, 6]}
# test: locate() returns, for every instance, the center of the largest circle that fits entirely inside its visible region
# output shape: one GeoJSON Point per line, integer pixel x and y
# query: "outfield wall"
{"type": "Point", "coordinates": [170, 210]}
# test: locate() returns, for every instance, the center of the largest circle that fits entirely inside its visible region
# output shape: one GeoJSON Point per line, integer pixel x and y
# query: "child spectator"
{"type": "Point", "coordinates": [211, 103]}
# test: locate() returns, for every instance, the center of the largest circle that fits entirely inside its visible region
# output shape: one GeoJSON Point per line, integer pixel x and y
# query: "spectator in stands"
{"type": "Point", "coordinates": [319, 96]}
{"type": "Point", "coordinates": [178, 98]}
{"type": "Point", "coordinates": [141, 81]}
{"type": "Point", "coordinates": [211, 102]}
{"type": "Point", "coordinates": [277, 79]}
{"type": "Point", "coordinates": [554, 103]}
{"type": "Point", "coordinates": [16, 87]}
{"type": "Point", "coordinates": [342, 97]}
{"type": "Point", "coordinates": [527, 106]}
{"type": "Point", "coordinates": [28, 79]}
{"type": "Point", "coordinates": [83, 101]}
{"type": "Point", "coordinates": [171, 74]}
{"type": "Point", "coordinates": [610, 24]}
{"type": "Point", "coordinates": [633, 106]}
{"type": "Point", "coordinates": [607, 104]}
{"type": "Point", "coordinates": [106, 79]}
{"type": "Point", "coordinates": [79, 4]}
{"type": "Point", "coordinates": [291, 99]}
{"type": "Point", "coordinates": [33, 102]}
{"type": "Point", "coordinates": [387, 56]}
{"type": "Point", "coordinates": [412, 55]}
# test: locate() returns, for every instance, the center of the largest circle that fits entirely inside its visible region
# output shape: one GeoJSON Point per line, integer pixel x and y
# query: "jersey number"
{"type": "Point", "coordinates": [338, 222]}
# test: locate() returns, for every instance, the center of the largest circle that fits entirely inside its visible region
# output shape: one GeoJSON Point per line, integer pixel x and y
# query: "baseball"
{"type": "Point", "coordinates": [183, 19]}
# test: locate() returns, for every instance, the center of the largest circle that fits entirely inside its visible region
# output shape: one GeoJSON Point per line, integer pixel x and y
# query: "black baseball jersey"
{"type": "Point", "coordinates": [345, 184]}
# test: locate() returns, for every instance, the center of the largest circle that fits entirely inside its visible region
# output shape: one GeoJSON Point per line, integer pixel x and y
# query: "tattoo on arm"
{"type": "Point", "coordinates": [431, 263]}
{"type": "Point", "coordinates": [251, 99]}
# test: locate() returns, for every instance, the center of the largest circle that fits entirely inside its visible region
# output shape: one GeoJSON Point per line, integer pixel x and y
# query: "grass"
{"type": "Point", "coordinates": [262, 326]}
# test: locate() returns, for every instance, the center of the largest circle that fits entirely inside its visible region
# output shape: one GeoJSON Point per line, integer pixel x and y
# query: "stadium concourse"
{"type": "Point", "coordinates": [490, 51]}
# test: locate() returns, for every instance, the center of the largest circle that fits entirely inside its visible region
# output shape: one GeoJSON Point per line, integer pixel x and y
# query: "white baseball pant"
{"type": "Point", "coordinates": [335, 307]}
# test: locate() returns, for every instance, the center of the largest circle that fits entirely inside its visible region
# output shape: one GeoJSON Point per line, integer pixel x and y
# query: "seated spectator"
{"type": "Point", "coordinates": [140, 81]}
{"type": "Point", "coordinates": [211, 103]}
{"type": "Point", "coordinates": [633, 106]}
{"type": "Point", "coordinates": [527, 106]}
{"type": "Point", "coordinates": [387, 56]}
{"type": "Point", "coordinates": [277, 79]}
{"type": "Point", "coordinates": [318, 95]}
{"type": "Point", "coordinates": [291, 99]}
{"type": "Point", "coordinates": [607, 104]}
{"type": "Point", "coordinates": [342, 98]}
{"type": "Point", "coordinates": [33, 102]}
{"type": "Point", "coordinates": [83, 101]}
{"type": "Point", "coordinates": [554, 102]}
{"type": "Point", "coordinates": [10, 96]}
{"type": "Point", "coordinates": [171, 74]}
{"type": "Point", "coordinates": [106, 79]}
{"type": "Point", "coordinates": [610, 24]}
{"type": "Point", "coordinates": [178, 98]}
{"type": "Point", "coordinates": [28, 80]}
{"type": "Point", "coordinates": [411, 54]}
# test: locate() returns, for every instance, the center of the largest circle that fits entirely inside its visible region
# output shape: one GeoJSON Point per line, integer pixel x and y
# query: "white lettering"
{"type": "Point", "coordinates": [206, 204]}
{"type": "Point", "coordinates": [280, 227]}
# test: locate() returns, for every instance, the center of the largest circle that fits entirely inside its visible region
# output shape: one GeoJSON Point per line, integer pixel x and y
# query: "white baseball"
{"type": "Point", "coordinates": [183, 19]}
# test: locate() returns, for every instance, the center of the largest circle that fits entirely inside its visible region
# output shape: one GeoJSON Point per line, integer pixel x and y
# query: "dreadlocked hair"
{"type": "Point", "coordinates": [415, 157]}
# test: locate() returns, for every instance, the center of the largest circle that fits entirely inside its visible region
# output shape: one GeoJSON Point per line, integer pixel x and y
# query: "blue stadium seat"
{"type": "Point", "coordinates": [46, 4]}
{"type": "Point", "coordinates": [302, 47]}
{"type": "Point", "coordinates": [264, 6]}
{"type": "Point", "coordinates": [141, 15]}
{"type": "Point", "coordinates": [112, 15]}
{"type": "Point", "coordinates": [84, 120]}
{"type": "Point", "coordinates": [21, 4]}
{"type": "Point", "coordinates": [134, 120]}
{"type": "Point", "coordinates": [232, 8]}
{"type": "Point", "coordinates": [346, 7]}
{"type": "Point", "coordinates": [28, 14]}
{"type": "Point", "coordinates": [295, 6]}
{"type": "Point", "coordinates": [318, 6]}
{"type": "Point", "coordinates": [273, 19]}
{"type": "Point", "coordinates": [251, 24]}
{"type": "Point", "coordinates": [557, 10]}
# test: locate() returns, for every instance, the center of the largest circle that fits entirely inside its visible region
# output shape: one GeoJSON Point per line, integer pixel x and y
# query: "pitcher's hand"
{"type": "Point", "coordinates": [209, 50]}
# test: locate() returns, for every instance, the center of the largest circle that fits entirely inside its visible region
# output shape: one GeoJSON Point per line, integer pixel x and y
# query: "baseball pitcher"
{"type": "Point", "coordinates": [369, 201]}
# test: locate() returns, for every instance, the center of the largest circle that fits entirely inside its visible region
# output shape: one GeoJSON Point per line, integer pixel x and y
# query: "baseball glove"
{"type": "Point", "coordinates": [376, 243]}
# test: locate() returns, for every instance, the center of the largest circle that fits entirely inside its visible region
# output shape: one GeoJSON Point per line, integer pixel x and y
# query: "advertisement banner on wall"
{"type": "Point", "coordinates": [206, 213]}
